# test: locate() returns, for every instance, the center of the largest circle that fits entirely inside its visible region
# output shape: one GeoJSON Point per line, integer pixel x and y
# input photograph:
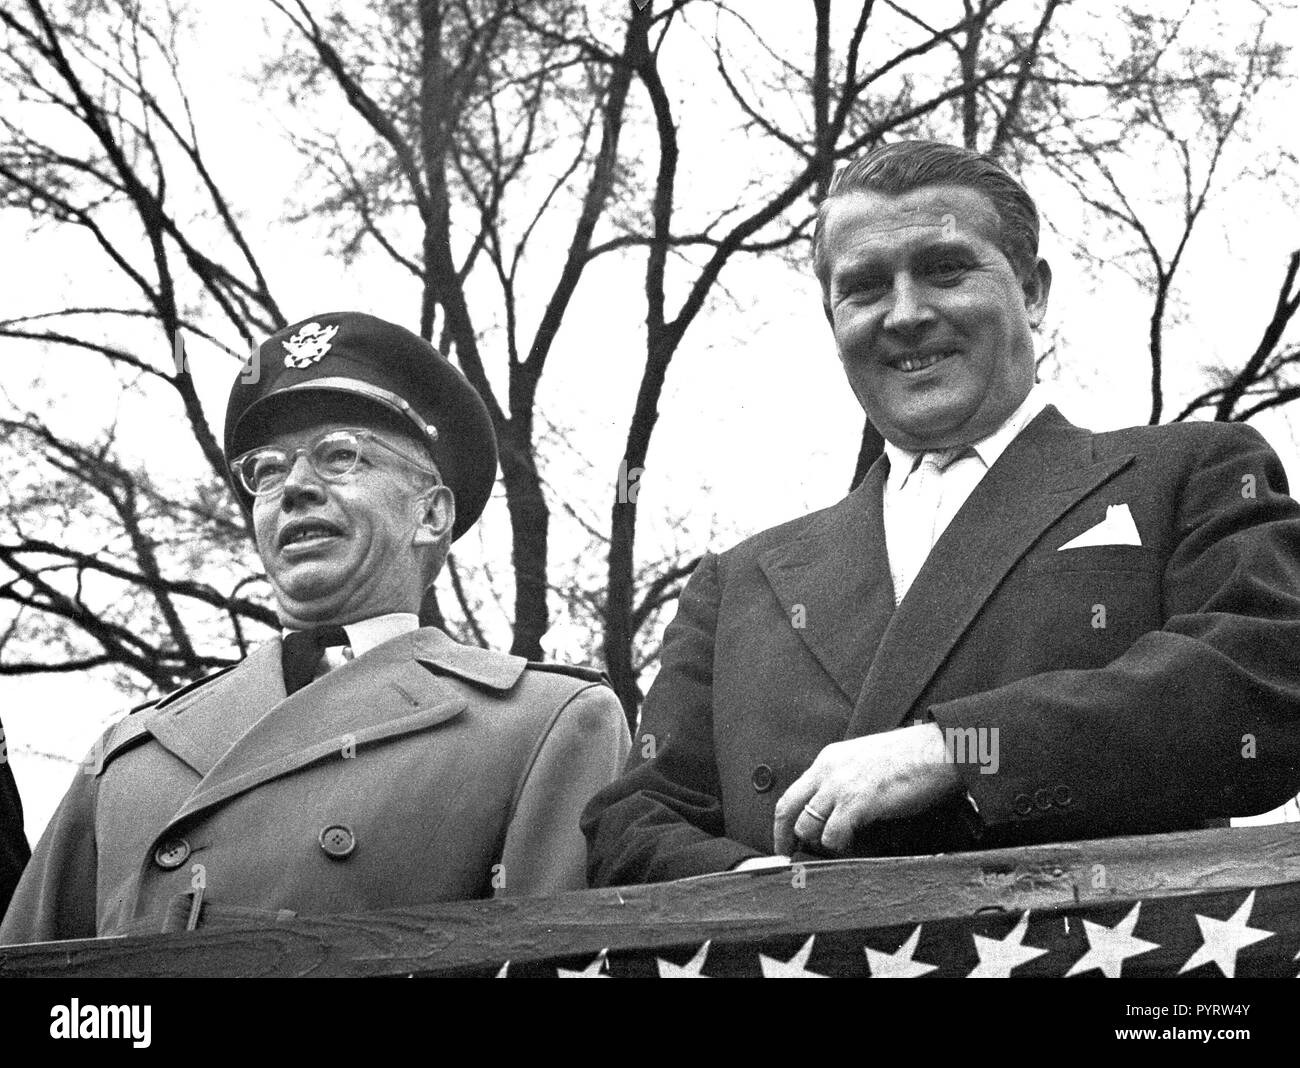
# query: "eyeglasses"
{"type": "Point", "coordinates": [334, 457]}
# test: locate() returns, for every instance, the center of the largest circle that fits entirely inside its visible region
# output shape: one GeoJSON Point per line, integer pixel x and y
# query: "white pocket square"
{"type": "Point", "coordinates": [1117, 528]}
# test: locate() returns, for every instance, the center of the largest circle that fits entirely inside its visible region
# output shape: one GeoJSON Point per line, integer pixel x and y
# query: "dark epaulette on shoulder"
{"type": "Point", "coordinates": [587, 674]}
{"type": "Point", "coordinates": [187, 688]}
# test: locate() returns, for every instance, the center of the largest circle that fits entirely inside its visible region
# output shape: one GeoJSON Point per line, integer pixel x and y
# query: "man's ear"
{"type": "Point", "coordinates": [1038, 285]}
{"type": "Point", "coordinates": [437, 515]}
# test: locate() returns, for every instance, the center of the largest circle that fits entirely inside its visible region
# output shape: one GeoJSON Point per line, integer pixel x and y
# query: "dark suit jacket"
{"type": "Point", "coordinates": [421, 771]}
{"type": "Point", "coordinates": [1183, 707]}
{"type": "Point", "coordinates": [14, 851]}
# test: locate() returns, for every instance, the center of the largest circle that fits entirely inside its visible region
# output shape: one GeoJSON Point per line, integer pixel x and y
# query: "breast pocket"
{"type": "Point", "coordinates": [1098, 558]}
{"type": "Point", "coordinates": [1084, 607]}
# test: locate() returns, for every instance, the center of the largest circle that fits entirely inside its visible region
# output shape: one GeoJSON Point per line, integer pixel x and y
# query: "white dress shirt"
{"type": "Point", "coordinates": [364, 636]}
{"type": "Point", "coordinates": [916, 516]}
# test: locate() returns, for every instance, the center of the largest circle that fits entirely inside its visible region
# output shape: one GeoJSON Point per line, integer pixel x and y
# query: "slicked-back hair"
{"type": "Point", "coordinates": [903, 166]}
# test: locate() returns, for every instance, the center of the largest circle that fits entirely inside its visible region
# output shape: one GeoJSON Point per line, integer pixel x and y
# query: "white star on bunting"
{"type": "Point", "coordinates": [795, 968]}
{"type": "Point", "coordinates": [597, 969]}
{"type": "Point", "coordinates": [1109, 947]}
{"type": "Point", "coordinates": [692, 969]}
{"type": "Point", "coordinates": [899, 964]}
{"type": "Point", "coordinates": [999, 955]}
{"type": "Point", "coordinates": [1222, 940]}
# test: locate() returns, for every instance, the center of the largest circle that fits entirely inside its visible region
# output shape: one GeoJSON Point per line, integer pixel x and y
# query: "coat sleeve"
{"type": "Point", "coordinates": [582, 750]}
{"type": "Point", "coordinates": [55, 898]}
{"type": "Point", "coordinates": [1200, 717]}
{"type": "Point", "coordinates": [664, 818]}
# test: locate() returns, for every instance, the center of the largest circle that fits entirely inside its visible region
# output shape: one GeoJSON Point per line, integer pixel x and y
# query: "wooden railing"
{"type": "Point", "coordinates": [1196, 903]}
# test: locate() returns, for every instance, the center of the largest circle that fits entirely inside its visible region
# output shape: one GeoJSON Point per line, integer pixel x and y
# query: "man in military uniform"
{"type": "Point", "coordinates": [360, 761]}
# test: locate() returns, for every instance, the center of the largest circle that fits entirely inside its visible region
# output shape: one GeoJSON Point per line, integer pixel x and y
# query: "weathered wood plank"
{"type": "Point", "coordinates": [832, 896]}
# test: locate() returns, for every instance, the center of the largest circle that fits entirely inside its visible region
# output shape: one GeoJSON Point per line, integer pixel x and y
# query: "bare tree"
{"type": "Point", "coordinates": [843, 106]}
{"type": "Point", "coordinates": [97, 136]}
{"type": "Point", "coordinates": [1180, 106]}
{"type": "Point", "coordinates": [461, 124]}
{"type": "Point", "coordinates": [1270, 375]}
{"type": "Point", "coordinates": [498, 153]}
{"type": "Point", "coordinates": [482, 164]}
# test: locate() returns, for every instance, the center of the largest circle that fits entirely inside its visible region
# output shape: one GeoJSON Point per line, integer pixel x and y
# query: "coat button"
{"type": "Point", "coordinates": [762, 778]}
{"type": "Point", "coordinates": [172, 853]}
{"type": "Point", "coordinates": [1063, 795]}
{"type": "Point", "coordinates": [337, 841]}
{"type": "Point", "coordinates": [1043, 800]}
{"type": "Point", "coordinates": [1023, 804]}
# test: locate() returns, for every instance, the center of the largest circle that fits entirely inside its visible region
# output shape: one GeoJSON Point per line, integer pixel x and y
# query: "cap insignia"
{"type": "Point", "coordinates": [308, 345]}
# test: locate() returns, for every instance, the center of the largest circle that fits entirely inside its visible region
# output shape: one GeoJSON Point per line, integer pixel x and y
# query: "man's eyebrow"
{"type": "Point", "coordinates": [870, 262]}
{"type": "Point", "coordinates": [955, 245]}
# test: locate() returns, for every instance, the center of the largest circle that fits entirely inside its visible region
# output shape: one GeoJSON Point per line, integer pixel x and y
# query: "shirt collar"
{"type": "Point", "coordinates": [988, 449]}
{"type": "Point", "coordinates": [365, 634]}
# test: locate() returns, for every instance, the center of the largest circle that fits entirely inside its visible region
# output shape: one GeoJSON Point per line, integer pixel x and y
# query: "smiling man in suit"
{"type": "Point", "coordinates": [1014, 630]}
{"type": "Point", "coordinates": [359, 761]}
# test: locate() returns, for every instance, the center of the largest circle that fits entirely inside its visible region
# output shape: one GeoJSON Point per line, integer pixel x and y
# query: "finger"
{"type": "Point", "coordinates": [810, 827]}
{"type": "Point", "coordinates": [788, 810]}
{"type": "Point", "coordinates": [837, 835]}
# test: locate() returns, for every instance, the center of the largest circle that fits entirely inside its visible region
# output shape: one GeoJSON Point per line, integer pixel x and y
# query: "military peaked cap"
{"type": "Point", "coordinates": [380, 364]}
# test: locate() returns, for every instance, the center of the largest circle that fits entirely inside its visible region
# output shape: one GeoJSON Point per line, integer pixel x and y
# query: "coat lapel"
{"type": "Point", "coordinates": [379, 695]}
{"type": "Point", "coordinates": [1043, 473]}
{"type": "Point", "coordinates": [834, 582]}
{"type": "Point", "coordinates": [200, 726]}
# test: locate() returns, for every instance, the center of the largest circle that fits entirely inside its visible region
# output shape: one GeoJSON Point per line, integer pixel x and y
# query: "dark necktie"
{"type": "Point", "coordinates": [302, 652]}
